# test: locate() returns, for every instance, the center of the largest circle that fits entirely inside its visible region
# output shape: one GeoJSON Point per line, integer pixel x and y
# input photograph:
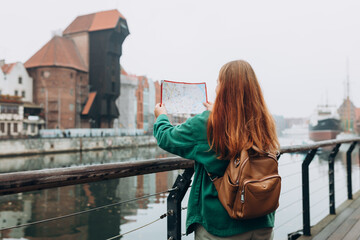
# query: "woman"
{"type": "Point", "coordinates": [239, 119]}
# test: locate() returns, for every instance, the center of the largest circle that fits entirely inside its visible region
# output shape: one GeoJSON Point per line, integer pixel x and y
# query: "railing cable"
{"type": "Point", "coordinates": [292, 189]}
{"type": "Point", "coordinates": [288, 205]}
{"type": "Point", "coordinates": [297, 215]}
{"type": "Point", "coordinates": [145, 225]}
{"type": "Point", "coordinates": [138, 228]}
{"type": "Point", "coordinates": [89, 210]}
{"type": "Point", "coordinates": [289, 163]}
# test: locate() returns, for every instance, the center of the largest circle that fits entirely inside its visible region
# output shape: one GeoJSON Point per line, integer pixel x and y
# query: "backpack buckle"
{"type": "Point", "coordinates": [237, 162]}
{"type": "Point", "coordinates": [212, 178]}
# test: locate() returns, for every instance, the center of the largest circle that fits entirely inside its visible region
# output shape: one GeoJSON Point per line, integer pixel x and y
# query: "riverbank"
{"type": "Point", "coordinates": [23, 147]}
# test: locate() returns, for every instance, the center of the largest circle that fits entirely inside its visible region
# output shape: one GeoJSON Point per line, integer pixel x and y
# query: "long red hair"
{"type": "Point", "coordinates": [240, 118]}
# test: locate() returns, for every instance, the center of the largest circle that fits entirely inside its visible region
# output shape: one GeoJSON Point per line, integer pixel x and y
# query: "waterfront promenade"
{"type": "Point", "coordinates": [344, 225]}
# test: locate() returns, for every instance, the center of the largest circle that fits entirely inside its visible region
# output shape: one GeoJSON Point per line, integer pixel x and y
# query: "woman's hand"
{"type": "Point", "coordinates": [208, 105]}
{"type": "Point", "coordinates": [159, 109]}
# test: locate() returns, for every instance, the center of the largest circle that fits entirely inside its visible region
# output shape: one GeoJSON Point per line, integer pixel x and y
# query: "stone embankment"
{"type": "Point", "coordinates": [18, 147]}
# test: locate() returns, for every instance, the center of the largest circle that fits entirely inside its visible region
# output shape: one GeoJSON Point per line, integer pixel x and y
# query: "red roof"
{"type": "Point", "coordinates": [123, 72]}
{"type": "Point", "coordinates": [89, 103]}
{"type": "Point", "coordinates": [59, 51]}
{"type": "Point", "coordinates": [94, 22]}
{"type": "Point", "coordinates": [6, 68]}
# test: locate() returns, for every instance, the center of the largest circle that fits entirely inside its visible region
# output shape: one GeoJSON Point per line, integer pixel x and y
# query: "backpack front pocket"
{"type": "Point", "coordinates": [260, 196]}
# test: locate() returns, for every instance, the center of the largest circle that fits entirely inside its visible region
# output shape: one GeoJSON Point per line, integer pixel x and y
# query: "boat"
{"type": "Point", "coordinates": [324, 123]}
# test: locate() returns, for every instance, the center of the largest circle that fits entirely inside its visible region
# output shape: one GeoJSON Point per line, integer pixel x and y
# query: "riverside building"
{"type": "Point", "coordinates": [77, 75]}
{"type": "Point", "coordinates": [15, 81]}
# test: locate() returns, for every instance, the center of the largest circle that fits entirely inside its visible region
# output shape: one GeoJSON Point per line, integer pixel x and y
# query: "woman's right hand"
{"type": "Point", "coordinates": [209, 106]}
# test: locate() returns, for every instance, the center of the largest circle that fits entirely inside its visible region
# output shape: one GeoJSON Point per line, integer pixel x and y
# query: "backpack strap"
{"type": "Point", "coordinates": [270, 154]}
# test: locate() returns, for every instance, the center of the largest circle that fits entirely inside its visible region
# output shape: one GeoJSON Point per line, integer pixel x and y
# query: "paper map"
{"type": "Point", "coordinates": [183, 98]}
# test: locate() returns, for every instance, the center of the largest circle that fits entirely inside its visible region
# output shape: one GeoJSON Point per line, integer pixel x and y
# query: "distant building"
{"type": "Point", "coordinates": [11, 116]}
{"type": "Point", "coordinates": [357, 120]}
{"type": "Point", "coordinates": [136, 103]}
{"type": "Point", "coordinates": [280, 123]}
{"type": "Point", "coordinates": [77, 75]}
{"type": "Point", "coordinates": [60, 83]}
{"type": "Point", "coordinates": [127, 102]}
{"type": "Point", "coordinates": [15, 81]}
{"type": "Point", "coordinates": [99, 37]}
{"type": "Point", "coordinates": [19, 118]}
{"type": "Point", "coordinates": [290, 122]}
{"type": "Point", "coordinates": [157, 92]}
{"type": "Point", "coordinates": [151, 106]}
{"type": "Point", "coordinates": [142, 96]}
{"type": "Point", "coordinates": [347, 112]}
{"type": "Point", "coordinates": [2, 78]}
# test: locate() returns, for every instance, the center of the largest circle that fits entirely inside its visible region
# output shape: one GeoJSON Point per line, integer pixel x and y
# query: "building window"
{"type": "Point", "coordinates": [45, 74]}
{"type": "Point", "coordinates": [32, 128]}
{"type": "Point", "coordinates": [71, 107]}
{"type": "Point", "coordinates": [23, 94]}
{"type": "Point", "coordinates": [9, 109]}
{"type": "Point", "coordinates": [20, 80]}
{"type": "Point", "coordinates": [71, 91]}
{"type": "Point", "coordinates": [71, 75]}
{"type": "Point", "coordinates": [42, 90]}
{"type": "Point", "coordinates": [15, 127]}
{"type": "Point", "coordinates": [2, 127]}
{"type": "Point", "coordinates": [16, 92]}
{"type": "Point", "coordinates": [25, 126]}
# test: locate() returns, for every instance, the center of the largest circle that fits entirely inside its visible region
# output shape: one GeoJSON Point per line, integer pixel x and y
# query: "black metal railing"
{"type": "Point", "coordinates": [17, 182]}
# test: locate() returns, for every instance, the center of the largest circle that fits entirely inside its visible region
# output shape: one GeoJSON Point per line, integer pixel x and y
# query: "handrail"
{"type": "Point", "coordinates": [25, 181]}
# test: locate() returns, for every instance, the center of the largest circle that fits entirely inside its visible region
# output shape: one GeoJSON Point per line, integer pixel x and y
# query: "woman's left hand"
{"type": "Point", "coordinates": [159, 109]}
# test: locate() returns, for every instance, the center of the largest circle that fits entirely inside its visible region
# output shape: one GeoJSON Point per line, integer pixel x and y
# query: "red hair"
{"type": "Point", "coordinates": [240, 118]}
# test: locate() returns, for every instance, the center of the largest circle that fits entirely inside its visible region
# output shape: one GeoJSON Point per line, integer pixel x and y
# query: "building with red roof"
{"type": "Point", "coordinates": [15, 81]}
{"type": "Point", "coordinates": [77, 75]}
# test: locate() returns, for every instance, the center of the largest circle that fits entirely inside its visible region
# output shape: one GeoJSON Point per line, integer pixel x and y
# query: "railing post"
{"type": "Point", "coordinates": [348, 169]}
{"type": "Point", "coordinates": [174, 199]}
{"type": "Point", "coordinates": [306, 191]}
{"type": "Point", "coordinates": [332, 178]}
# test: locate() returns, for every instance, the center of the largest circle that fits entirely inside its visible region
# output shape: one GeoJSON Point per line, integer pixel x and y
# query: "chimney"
{"type": "Point", "coordinates": [2, 62]}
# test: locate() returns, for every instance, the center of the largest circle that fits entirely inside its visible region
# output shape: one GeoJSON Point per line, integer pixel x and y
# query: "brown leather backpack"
{"type": "Point", "coordinates": [250, 187]}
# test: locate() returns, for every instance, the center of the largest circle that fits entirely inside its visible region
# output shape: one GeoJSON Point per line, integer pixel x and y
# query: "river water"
{"type": "Point", "coordinates": [103, 224]}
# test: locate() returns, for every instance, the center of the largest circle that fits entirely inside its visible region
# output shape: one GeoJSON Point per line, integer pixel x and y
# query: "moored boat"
{"type": "Point", "coordinates": [324, 124]}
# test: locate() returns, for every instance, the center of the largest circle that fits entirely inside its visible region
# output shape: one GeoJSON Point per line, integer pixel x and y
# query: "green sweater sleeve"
{"type": "Point", "coordinates": [178, 139]}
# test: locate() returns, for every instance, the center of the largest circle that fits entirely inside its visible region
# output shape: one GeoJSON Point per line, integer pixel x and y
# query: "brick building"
{"type": "Point", "coordinates": [347, 112]}
{"type": "Point", "coordinates": [77, 75]}
{"type": "Point", "coordinates": [142, 96]}
{"type": "Point", "coordinates": [60, 83]}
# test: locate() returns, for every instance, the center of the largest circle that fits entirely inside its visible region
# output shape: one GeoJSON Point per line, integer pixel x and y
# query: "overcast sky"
{"type": "Point", "coordinates": [297, 49]}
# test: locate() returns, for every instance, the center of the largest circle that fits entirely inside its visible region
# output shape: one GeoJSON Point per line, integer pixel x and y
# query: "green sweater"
{"type": "Point", "coordinates": [189, 140]}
